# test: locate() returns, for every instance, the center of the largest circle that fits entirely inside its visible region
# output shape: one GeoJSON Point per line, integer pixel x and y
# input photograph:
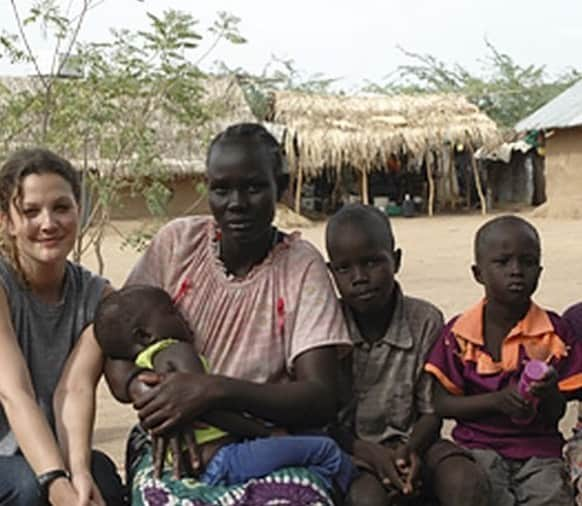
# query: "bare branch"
{"type": "Point", "coordinates": [215, 42]}
{"type": "Point", "coordinates": [90, 6]}
{"type": "Point", "coordinates": [59, 40]}
{"type": "Point", "coordinates": [26, 43]}
{"type": "Point", "coordinates": [90, 219]}
{"type": "Point", "coordinates": [190, 209]}
{"type": "Point", "coordinates": [80, 18]}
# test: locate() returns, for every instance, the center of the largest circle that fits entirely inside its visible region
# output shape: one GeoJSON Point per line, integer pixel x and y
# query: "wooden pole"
{"type": "Point", "coordinates": [477, 181]}
{"type": "Point", "coordinates": [337, 189]}
{"type": "Point", "coordinates": [452, 176]}
{"type": "Point", "coordinates": [431, 187]}
{"type": "Point", "coordinates": [365, 196]}
{"type": "Point", "coordinates": [298, 189]}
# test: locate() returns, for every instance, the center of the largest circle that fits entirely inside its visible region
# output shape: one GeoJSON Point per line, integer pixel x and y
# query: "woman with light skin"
{"type": "Point", "coordinates": [46, 309]}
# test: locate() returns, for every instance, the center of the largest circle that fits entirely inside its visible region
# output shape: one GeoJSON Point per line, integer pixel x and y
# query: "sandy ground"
{"type": "Point", "coordinates": [436, 266]}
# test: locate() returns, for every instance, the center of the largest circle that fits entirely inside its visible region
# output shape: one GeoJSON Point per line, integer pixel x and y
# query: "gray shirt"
{"type": "Point", "coordinates": [383, 386]}
{"type": "Point", "coordinates": [46, 333]}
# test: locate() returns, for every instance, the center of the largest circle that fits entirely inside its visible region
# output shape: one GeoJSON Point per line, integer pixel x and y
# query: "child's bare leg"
{"type": "Point", "coordinates": [367, 490]}
{"type": "Point", "coordinates": [456, 478]}
{"type": "Point", "coordinates": [459, 481]}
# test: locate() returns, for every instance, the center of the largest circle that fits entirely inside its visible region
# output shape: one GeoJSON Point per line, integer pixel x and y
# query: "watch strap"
{"type": "Point", "coordinates": [45, 480]}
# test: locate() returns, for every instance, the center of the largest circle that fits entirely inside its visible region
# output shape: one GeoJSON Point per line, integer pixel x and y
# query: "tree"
{"type": "Point", "coordinates": [506, 91]}
{"type": "Point", "coordinates": [114, 115]}
{"type": "Point", "coordinates": [278, 74]}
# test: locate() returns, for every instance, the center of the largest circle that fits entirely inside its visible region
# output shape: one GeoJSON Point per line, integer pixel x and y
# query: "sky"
{"type": "Point", "coordinates": [356, 41]}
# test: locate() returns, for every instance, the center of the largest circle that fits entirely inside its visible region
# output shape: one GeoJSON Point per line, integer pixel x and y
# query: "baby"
{"type": "Point", "coordinates": [141, 324]}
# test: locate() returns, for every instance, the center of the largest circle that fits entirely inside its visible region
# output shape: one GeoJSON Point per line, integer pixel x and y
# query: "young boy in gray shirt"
{"type": "Point", "coordinates": [387, 421]}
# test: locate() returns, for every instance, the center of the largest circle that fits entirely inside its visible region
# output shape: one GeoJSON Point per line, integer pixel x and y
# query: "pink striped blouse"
{"type": "Point", "coordinates": [252, 328]}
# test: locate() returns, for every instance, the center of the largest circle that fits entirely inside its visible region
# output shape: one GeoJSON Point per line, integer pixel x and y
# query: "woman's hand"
{"type": "Point", "coordinates": [62, 493]}
{"type": "Point", "coordinates": [87, 490]}
{"type": "Point", "coordinates": [177, 400]}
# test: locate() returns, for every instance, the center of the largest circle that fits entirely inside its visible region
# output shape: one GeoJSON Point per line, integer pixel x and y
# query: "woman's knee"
{"type": "Point", "coordinates": [459, 480]}
{"type": "Point", "coordinates": [18, 484]}
{"type": "Point", "coordinates": [107, 479]}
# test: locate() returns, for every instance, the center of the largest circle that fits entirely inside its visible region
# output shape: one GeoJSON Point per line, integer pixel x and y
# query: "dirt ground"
{"type": "Point", "coordinates": [436, 266]}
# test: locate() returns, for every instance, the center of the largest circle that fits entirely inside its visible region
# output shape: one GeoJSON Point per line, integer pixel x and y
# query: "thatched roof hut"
{"type": "Point", "coordinates": [363, 132]}
{"type": "Point", "coordinates": [182, 148]}
{"type": "Point", "coordinates": [334, 130]}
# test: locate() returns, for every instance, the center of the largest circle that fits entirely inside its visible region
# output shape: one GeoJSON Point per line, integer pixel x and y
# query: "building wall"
{"type": "Point", "coordinates": [183, 198]}
{"type": "Point", "coordinates": [511, 182]}
{"type": "Point", "coordinates": [564, 173]}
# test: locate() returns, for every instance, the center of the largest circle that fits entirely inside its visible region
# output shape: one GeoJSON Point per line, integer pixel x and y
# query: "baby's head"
{"type": "Point", "coordinates": [363, 259]}
{"type": "Point", "coordinates": [508, 259]}
{"type": "Point", "coordinates": [131, 319]}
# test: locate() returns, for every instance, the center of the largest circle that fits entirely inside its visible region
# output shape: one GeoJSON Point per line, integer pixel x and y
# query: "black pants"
{"type": "Point", "coordinates": [18, 486]}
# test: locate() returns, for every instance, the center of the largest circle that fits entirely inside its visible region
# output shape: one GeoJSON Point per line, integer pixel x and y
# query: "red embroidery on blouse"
{"type": "Point", "coordinates": [185, 287]}
{"type": "Point", "coordinates": [280, 315]}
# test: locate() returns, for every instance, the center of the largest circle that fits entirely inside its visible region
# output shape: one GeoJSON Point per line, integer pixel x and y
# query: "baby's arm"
{"type": "Point", "coordinates": [181, 357]}
{"type": "Point", "coordinates": [178, 357]}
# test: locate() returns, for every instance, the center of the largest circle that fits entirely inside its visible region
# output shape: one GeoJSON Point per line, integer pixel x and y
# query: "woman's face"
{"type": "Point", "coordinates": [44, 225]}
{"type": "Point", "coordinates": [242, 191]}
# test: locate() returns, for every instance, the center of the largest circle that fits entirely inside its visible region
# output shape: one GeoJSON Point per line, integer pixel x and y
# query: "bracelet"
{"type": "Point", "coordinates": [45, 480]}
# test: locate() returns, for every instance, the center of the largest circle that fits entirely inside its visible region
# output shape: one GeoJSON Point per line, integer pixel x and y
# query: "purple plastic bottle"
{"type": "Point", "coordinates": [534, 370]}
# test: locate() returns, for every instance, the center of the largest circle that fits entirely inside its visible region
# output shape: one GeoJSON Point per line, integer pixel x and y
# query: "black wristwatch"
{"type": "Point", "coordinates": [45, 480]}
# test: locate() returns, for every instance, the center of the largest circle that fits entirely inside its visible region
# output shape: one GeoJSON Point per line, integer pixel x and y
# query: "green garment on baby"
{"type": "Point", "coordinates": [146, 360]}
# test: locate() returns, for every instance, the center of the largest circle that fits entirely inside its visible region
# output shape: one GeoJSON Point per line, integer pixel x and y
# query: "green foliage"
{"type": "Point", "coordinates": [140, 91]}
{"type": "Point", "coordinates": [47, 14]}
{"type": "Point", "coordinates": [139, 239]}
{"type": "Point", "coordinates": [505, 90]}
{"type": "Point", "coordinates": [10, 49]}
{"type": "Point", "coordinates": [278, 74]}
{"type": "Point", "coordinates": [226, 26]}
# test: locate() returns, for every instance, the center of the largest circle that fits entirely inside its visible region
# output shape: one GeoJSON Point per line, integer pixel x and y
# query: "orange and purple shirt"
{"type": "Point", "coordinates": [460, 362]}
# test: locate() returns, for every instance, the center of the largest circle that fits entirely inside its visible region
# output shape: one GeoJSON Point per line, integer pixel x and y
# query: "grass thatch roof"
{"type": "Point", "coordinates": [363, 131]}
{"type": "Point", "coordinates": [182, 148]}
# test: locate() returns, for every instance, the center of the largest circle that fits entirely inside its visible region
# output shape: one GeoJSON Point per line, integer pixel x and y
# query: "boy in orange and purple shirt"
{"type": "Point", "coordinates": [478, 361]}
{"type": "Point", "coordinates": [573, 449]}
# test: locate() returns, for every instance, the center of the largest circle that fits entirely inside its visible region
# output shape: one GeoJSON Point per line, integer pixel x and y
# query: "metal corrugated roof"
{"type": "Point", "coordinates": [502, 152]}
{"type": "Point", "coordinates": [562, 112]}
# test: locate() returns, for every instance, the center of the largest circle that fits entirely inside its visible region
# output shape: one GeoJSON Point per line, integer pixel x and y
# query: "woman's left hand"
{"type": "Point", "coordinates": [87, 490]}
{"type": "Point", "coordinates": [177, 400]}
